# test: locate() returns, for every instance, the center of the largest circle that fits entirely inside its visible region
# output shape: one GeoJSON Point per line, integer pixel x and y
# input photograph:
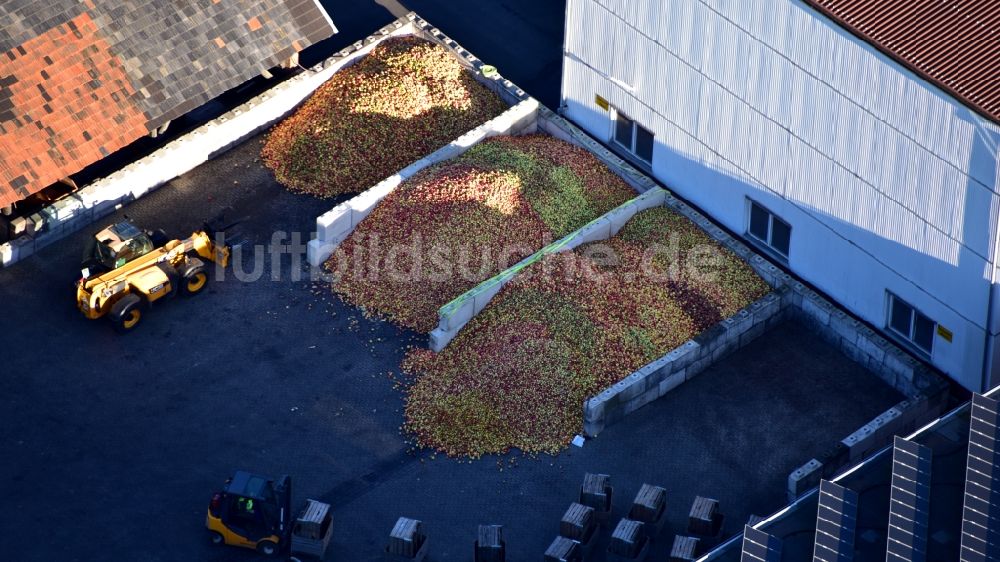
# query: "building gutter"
{"type": "Point", "coordinates": [562, 82]}
{"type": "Point", "coordinates": [991, 303]}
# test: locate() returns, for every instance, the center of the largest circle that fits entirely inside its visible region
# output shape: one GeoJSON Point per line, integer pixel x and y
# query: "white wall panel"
{"type": "Point", "coordinates": [979, 214]}
{"type": "Point", "coordinates": [805, 164]}
{"type": "Point", "coordinates": [683, 31]}
{"type": "Point", "coordinates": [771, 93]}
{"type": "Point", "coordinates": [716, 115]}
{"type": "Point", "coordinates": [984, 161]}
{"type": "Point", "coordinates": [764, 19]}
{"type": "Point", "coordinates": [680, 93]}
{"type": "Point", "coordinates": [884, 101]}
{"type": "Point", "coordinates": [652, 83]}
{"type": "Point", "coordinates": [623, 51]}
{"type": "Point", "coordinates": [583, 110]}
{"type": "Point", "coordinates": [643, 16]}
{"type": "Point", "coordinates": [775, 142]}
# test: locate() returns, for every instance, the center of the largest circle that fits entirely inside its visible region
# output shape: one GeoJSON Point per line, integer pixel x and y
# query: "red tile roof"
{"type": "Point", "coordinates": [74, 105]}
{"type": "Point", "coordinates": [80, 79]}
{"type": "Point", "coordinates": [953, 43]}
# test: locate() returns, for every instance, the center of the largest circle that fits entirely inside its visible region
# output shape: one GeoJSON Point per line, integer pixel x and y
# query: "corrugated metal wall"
{"type": "Point", "coordinates": [766, 98]}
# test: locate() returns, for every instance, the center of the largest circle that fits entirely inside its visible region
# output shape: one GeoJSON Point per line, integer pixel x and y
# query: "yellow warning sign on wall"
{"type": "Point", "coordinates": [945, 333]}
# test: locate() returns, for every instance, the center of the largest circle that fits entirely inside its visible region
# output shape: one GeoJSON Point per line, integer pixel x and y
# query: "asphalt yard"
{"type": "Point", "coordinates": [113, 444]}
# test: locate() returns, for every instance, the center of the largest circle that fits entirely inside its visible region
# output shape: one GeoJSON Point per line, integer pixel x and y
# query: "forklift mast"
{"type": "Point", "coordinates": [283, 491]}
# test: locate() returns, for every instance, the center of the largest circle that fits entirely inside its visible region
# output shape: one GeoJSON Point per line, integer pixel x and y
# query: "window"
{"type": "Point", "coordinates": [634, 138]}
{"type": "Point", "coordinates": [769, 230]}
{"type": "Point", "coordinates": [910, 324]}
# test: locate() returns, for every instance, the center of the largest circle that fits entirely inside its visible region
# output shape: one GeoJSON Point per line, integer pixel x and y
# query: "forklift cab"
{"type": "Point", "coordinates": [251, 511]}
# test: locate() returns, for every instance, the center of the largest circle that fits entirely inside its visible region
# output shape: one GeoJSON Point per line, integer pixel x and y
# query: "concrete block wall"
{"type": "Point", "coordinates": [866, 441]}
{"type": "Point", "coordinates": [682, 364]}
{"type": "Point", "coordinates": [451, 319]}
{"type": "Point", "coordinates": [862, 344]}
{"type": "Point", "coordinates": [334, 226]}
{"type": "Point", "coordinates": [667, 373]}
{"type": "Point", "coordinates": [507, 90]}
{"type": "Point", "coordinates": [804, 478]}
{"type": "Point", "coordinates": [925, 389]}
{"type": "Point", "coordinates": [104, 196]}
{"type": "Point", "coordinates": [453, 316]}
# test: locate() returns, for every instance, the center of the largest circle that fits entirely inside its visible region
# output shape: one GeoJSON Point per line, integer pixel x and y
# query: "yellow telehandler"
{"type": "Point", "coordinates": [127, 269]}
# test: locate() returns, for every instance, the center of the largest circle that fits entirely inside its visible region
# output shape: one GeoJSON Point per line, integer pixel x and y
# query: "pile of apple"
{"type": "Point", "coordinates": [404, 100]}
{"type": "Point", "coordinates": [459, 223]}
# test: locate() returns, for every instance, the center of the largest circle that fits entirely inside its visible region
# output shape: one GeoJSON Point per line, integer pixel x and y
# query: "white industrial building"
{"type": "Point", "coordinates": [855, 142]}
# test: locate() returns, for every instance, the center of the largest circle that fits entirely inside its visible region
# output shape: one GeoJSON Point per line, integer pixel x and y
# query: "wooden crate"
{"type": "Point", "coordinates": [578, 523]}
{"type": "Point", "coordinates": [649, 505]}
{"type": "Point", "coordinates": [628, 541]}
{"type": "Point", "coordinates": [406, 541]}
{"type": "Point", "coordinates": [563, 550]}
{"type": "Point", "coordinates": [596, 492]}
{"type": "Point", "coordinates": [704, 519]}
{"type": "Point", "coordinates": [312, 529]}
{"type": "Point", "coordinates": [685, 549]}
{"type": "Point", "coordinates": [490, 546]}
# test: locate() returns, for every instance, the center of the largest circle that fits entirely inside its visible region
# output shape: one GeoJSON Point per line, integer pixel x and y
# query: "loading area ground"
{"type": "Point", "coordinates": [113, 445]}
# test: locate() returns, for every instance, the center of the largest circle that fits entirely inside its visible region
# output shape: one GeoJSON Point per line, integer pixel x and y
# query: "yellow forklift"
{"type": "Point", "coordinates": [254, 511]}
{"type": "Point", "coordinates": [126, 269]}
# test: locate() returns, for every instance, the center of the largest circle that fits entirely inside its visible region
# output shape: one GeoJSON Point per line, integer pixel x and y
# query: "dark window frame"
{"type": "Point", "coordinates": [768, 241]}
{"type": "Point", "coordinates": [914, 318]}
{"type": "Point", "coordinates": [633, 145]}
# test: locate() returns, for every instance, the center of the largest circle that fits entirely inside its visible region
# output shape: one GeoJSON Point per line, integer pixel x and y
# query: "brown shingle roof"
{"type": "Point", "coordinates": [953, 43]}
{"type": "Point", "coordinates": [79, 80]}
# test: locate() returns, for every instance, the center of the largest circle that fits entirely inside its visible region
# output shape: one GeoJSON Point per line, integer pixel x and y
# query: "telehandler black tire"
{"type": "Point", "coordinates": [173, 277]}
{"type": "Point", "coordinates": [194, 279]}
{"type": "Point", "coordinates": [126, 314]}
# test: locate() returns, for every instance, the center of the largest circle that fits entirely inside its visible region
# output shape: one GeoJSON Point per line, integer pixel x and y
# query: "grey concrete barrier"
{"type": "Point", "coordinates": [334, 226]}
{"type": "Point", "coordinates": [453, 316]}
{"type": "Point", "coordinates": [804, 478]}
{"type": "Point", "coordinates": [683, 363]}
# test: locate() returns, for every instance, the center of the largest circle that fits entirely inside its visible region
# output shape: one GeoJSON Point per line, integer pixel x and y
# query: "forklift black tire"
{"type": "Point", "coordinates": [127, 313]}
{"type": "Point", "coordinates": [267, 548]}
{"type": "Point", "coordinates": [194, 279]}
{"type": "Point", "coordinates": [216, 538]}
